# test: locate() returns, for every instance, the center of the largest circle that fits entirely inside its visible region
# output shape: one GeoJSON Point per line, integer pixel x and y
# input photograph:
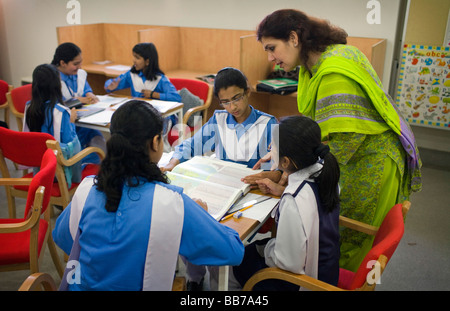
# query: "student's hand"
{"type": "Point", "coordinates": [284, 179]}
{"type": "Point", "coordinates": [148, 94]}
{"type": "Point", "coordinates": [264, 159]}
{"type": "Point", "coordinates": [202, 204]}
{"type": "Point", "coordinates": [170, 166]}
{"type": "Point", "coordinates": [73, 115]}
{"type": "Point", "coordinates": [267, 186]}
{"type": "Point", "coordinates": [92, 99]}
{"type": "Point", "coordinates": [275, 176]}
{"type": "Point", "coordinates": [113, 85]}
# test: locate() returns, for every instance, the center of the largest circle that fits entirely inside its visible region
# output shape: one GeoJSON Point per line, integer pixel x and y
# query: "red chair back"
{"type": "Point", "coordinates": [25, 148]}
{"type": "Point", "coordinates": [196, 87]}
{"type": "Point", "coordinates": [20, 96]}
{"type": "Point", "coordinates": [385, 243]}
{"type": "Point", "coordinates": [44, 178]}
{"type": "Point", "coordinates": [4, 87]}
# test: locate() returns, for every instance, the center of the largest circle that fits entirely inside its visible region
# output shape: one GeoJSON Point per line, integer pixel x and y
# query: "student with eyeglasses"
{"type": "Point", "coordinates": [238, 133]}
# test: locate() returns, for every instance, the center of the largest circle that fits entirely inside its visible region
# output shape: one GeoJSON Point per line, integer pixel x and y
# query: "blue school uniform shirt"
{"type": "Point", "coordinates": [114, 244]}
{"type": "Point", "coordinates": [71, 82]}
{"type": "Point", "coordinates": [165, 88]}
{"type": "Point", "coordinates": [207, 138]}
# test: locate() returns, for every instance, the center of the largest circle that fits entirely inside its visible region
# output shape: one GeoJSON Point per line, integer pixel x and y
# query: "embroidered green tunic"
{"type": "Point", "coordinates": [363, 137]}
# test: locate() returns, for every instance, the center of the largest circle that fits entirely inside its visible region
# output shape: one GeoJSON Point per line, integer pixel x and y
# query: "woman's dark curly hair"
{"type": "Point", "coordinates": [127, 161]}
{"type": "Point", "coordinates": [314, 34]}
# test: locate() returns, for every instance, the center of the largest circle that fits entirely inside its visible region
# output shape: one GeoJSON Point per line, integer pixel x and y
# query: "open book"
{"type": "Point", "coordinates": [109, 104]}
{"type": "Point", "coordinates": [214, 181]}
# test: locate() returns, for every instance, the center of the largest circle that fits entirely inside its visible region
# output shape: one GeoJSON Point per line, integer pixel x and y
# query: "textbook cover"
{"type": "Point", "coordinates": [279, 83]}
{"type": "Point", "coordinates": [280, 86]}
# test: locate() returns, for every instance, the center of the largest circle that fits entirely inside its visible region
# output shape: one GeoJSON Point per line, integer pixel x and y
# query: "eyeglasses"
{"type": "Point", "coordinates": [233, 101]}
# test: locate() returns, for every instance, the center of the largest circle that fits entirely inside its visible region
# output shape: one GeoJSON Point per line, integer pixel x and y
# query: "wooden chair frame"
{"type": "Point", "coordinates": [66, 194]}
{"type": "Point", "coordinates": [317, 285]}
{"type": "Point", "coordinates": [37, 281]}
{"type": "Point", "coordinates": [6, 105]}
{"type": "Point", "coordinates": [19, 115]}
{"type": "Point", "coordinates": [32, 224]}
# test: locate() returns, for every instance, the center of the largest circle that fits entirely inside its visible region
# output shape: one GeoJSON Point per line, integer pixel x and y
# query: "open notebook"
{"type": "Point", "coordinates": [214, 181]}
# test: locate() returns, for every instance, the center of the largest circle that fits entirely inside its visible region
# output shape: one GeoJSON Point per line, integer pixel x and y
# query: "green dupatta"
{"type": "Point", "coordinates": [352, 63]}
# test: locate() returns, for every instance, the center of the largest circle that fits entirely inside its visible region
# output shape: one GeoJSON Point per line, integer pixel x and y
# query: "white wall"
{"type": "Point", "coordinates": [28, 27]}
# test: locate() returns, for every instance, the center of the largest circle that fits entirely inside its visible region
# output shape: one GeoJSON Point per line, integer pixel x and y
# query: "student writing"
{"type": "Point", "coordinates": [145, 78]}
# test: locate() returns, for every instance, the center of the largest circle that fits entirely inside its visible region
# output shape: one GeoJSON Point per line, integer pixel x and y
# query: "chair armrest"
{"type": "Point", "coordinates": [191, 111]}
{"type": "Point", "coordinates": [15, 181]}
{"type": "Point", "coordinates": [298, 279]}
{"type": "Point", "coordinates": [54, 145]}
{"type": "Point", "coordinates": [34, 281]}
{"type": "Point", "coordinates": [357, 225]}
{"type": "Point", "coordinates": [30, 221]}
{"type": "Point", "coordinates": [80, 155]}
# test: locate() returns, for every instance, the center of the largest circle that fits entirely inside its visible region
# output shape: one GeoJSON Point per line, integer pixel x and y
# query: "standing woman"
{"type": "Point", "coordinates": [340, 90]}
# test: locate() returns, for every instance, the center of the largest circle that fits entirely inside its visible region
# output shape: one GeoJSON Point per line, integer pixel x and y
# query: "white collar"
{"type": "Point", "coordinates": [295, 179]}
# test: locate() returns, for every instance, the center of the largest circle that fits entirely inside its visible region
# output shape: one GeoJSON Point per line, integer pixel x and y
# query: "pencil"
{"type": "Point", "coordinates": [231, 215]}
{"type": "Point", "coordinates": [81, 109]}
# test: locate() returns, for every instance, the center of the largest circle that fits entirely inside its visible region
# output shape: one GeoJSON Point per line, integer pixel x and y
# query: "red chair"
{"type": "Point", "coordinates": [5, 88]}
{"type": "Point", "coordinates": [17, 98]}
{"type": "Point", "coordinates": [23, 240]}
{"type": "Point", "coordinates": [27, 148]}
{"type": "Point", "coordinates": [387, 238]}
{"type": "Point", "coordinates": [198, 88]}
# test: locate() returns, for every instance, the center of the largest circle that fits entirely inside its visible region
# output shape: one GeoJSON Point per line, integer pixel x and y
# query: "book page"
{"type": "Point", "coordinates": [216, 171]}
{"type": "Point", "coordinates": [219, 198]}
{"type": "Point", "coordinates": [162, 105]}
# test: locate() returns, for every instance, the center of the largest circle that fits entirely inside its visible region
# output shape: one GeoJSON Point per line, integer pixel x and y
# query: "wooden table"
{"type": "Point", "coordinates": [178, 110]}
{"type": "Point", "coordinates": [246, 228]}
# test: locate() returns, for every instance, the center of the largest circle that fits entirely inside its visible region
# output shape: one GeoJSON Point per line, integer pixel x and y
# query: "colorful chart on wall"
{"type": "Point", "coordinates": [423, 94]}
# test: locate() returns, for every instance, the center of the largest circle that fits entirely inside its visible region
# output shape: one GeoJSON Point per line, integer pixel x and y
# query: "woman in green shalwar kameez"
{"type": "Point", "coordinates": [340, 90]}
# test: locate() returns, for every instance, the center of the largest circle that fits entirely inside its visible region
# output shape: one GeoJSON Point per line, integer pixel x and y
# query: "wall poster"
{"type": "Point", "coordinates": [423, 94]}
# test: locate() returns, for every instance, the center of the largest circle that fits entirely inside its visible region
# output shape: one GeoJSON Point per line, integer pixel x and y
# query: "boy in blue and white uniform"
{"type": "Point", "coordinates": [239, 133]}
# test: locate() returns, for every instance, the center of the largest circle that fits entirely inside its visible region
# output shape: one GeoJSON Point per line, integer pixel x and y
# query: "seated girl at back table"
{"type": "Point", "coordinates": [68, 60]}
{"type": "Point", "coordinates": [127, 225]}
{"type": "Point", "coordinates": [45, 113]}
{"type": "Point", "coordinates": [307, 216]}
{"type": "Point", "coordinates": [145, 79]}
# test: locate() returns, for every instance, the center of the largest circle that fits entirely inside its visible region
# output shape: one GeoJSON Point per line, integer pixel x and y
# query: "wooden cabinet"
{"type": "Point", "coordinates": [189, 52]}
